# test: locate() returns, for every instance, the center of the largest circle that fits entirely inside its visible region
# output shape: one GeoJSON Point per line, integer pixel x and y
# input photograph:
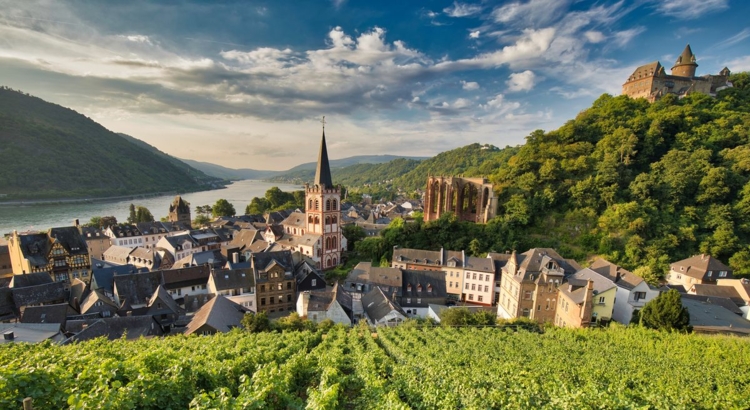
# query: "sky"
{"type": "Point", "coordinates": [244, 84]}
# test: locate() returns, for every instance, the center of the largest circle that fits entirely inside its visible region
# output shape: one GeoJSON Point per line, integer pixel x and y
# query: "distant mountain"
{"type": "Point", "coordinates": [355, 175]}
{"type": "Point", "coordinates": [301, 173]}
{"type": "Point", "coordinates": [228, 173]}
{"type": "Point", "coordinates": [49, 151]}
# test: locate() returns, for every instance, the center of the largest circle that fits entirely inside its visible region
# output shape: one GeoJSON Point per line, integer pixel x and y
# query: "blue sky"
{"type": "Point", "coordinates": [244, 83]}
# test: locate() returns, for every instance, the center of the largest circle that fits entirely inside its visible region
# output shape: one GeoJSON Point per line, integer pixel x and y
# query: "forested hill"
{"type": "Point", "coordinates": [641, 184]}
{"type": "Point", "coordinates": [49, 151]}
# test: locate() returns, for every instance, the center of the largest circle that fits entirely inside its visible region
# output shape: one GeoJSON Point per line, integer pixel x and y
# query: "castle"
{"type": "Point", "coordinates": [651, 82]}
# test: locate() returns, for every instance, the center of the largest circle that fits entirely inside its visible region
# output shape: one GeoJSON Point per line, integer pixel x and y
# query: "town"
{"type": "Point", "coordinates": [152, 279]}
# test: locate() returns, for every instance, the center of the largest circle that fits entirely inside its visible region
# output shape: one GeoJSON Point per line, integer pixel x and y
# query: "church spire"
{"type": "Point", "coordinates": [323, 171]}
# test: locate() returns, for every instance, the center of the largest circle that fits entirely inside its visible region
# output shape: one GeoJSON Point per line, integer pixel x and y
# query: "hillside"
{"type": "Point", "coordinates": [397, 368]}
{"type": "Point", "coordinates": [49, 151]}
{"type": "Point", "coordinates": [218, 171]}
{"type": "Point", "coordinates": [355, 175]}
{"type": "Point", "coordinates": [641, 184]}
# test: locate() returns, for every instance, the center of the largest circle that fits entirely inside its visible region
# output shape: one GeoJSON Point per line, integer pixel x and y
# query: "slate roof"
{"type": "Point", "coordinates": [415, 278]}
{"type": "Point", "coordinates": [90, 232]}
{"type": "Point", "coordinates": [57, 313]}
{"type": "Point", "coordinates": [30, 279]}
{"type": "Point", "coordinates": [726, 303]}
{"type": "Point", "coordinates": [308, 239]}
{"type": "Point", "coordinates": [377, 305]}
{"type": "Point", "coordinates": [232, 279]}
{"type": "Point", "coordinates": [244, 238]}
{"type": "Point", "coordinates": [113, 328]}
{"type": "Point", "coordinates": [161, 295]}
{"type": "Point", "coordinates": [480, 264]}
{"type": "Point", "coordinates": [365, 273]}
{"type": "Point", "coordinates": [718, 291]}
{"type": "Point", "coordinates": [601, 283]}
{"type": "Point", "coordinates": [417, 256]}
{"type": "Point", "coordinates": [117, 254]}
{"type": "Point", "coordinates": [707, 314]}
{"type": "Point", "coordinates": [619, 276]}
{"type": "Point", "coordinates": [647, 70]}
{"type": "Point", "coordinates": [151, 228]}
{"type": "Point", "coordinates": [124, 230]}
{"type": "Point", "coordinates": [576, 290]}
{"type": "Point", "coordinates": [40, 294]}
{"type": "Point", "coordinates": [323, 169]}
{"type": "Point", "coordinates": [697, 267]}
{"type": "Point", "coordinates": [35, 247]}
{"type": "Point", "coordinates": [8, 308]}
{"type": "Point", "coordinates": [258, 246]}
{"type": "Point", "coordinates": [97, 296]}
{"type": "Point", "coordinates": [295, 220]}
{"type": "Point", "coordinates": [78, 291]}
{"type": "Point", "coordinates": [137, 288]}
{"type": "Point", "coordinates": [261, 261]}
{"type": "Point", "coordinates": [30, 332]}
{"type": "Point", "coordinates": [182, 277]}
{"type": "Point", "coordinates": [103, 278]}
{"type": "Point", "coordinates": [70, 239]}
{"type": "Point", "coordinates": [194, 302]}
{"type": "Point", "coordinates": [219, 313]}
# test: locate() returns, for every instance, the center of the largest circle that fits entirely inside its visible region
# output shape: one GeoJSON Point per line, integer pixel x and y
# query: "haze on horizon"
{"type": "Point", "coordinates": [243, 84]}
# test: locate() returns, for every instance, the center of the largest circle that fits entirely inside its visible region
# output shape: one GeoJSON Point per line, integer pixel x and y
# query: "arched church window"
{"type": "Point", "coordinates": [335, 205]}
{"type": "Point", "coordinates": [328, 205]}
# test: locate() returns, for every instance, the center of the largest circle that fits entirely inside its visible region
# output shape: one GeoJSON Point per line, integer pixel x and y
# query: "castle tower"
{"type": "Point", "coordinates": [323, 211]}
{"type": "Point", "coordinates": [685, 65]}
{"type": "Point", "coordinates": [179, 211]}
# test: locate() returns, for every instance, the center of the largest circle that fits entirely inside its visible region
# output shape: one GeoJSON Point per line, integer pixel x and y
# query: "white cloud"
{"type": "Point", "coordinates": [594, 36]}
{"type": "Point", "coordinates": [474, 34]}
{"type": "Point", "coordinates": [533, 13]}
{"type": "Point", "coordinates": [461, 103]}
{"type": "Point", "coordinates": [622, 38]}
{"type": "Point", "coordinates": [739, 64]}
{"type": "Point", "coordinates": [469, 85]}
{"type": "Point", "coordinates": [735, 39]}
{"type": "Point", "coordinates": [462, 9]}
{"type": "Point", "coordinates": [338, 3]}
{"type": "Point", "coordinates": [138, 39]}
{"type": "Point", "coordinates": [690, 9]}
{"type": "Point", "coordinates": [523, 81]}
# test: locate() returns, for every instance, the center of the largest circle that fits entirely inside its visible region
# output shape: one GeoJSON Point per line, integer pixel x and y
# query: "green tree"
{"type": "Point", "coordinates": [665, 312]}
{"type": "Point", "coordinates": [353, 234]}
{"type": "Point", "coordinates": [222, 207]}
{"type": "Point", "coordinates": [256, 322]}
{"type": "Point", "coordinates": [257, 206]}
{"type": "Point", "coordinates": [131, 215]}
{"type": "Point", "coordinates": [142, 214]}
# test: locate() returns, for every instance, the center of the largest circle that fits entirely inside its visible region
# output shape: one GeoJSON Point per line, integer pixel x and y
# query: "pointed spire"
{"type": "Point", "coordinates": [686, 57]}
{"type": "Point", "coordinates": [323, 171]}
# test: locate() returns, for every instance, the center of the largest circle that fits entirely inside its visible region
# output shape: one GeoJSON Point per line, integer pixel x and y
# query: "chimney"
{"type": "Point", "coordinates": [76, 223]}
{"type": "Point", "coordinates": [236, 257]}
{"type": "Point", "coordinates": [9, 335]}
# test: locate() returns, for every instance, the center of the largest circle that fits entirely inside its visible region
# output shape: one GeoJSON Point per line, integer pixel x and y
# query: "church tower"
{"type": "Point", "coordinates": [179, 211]}
{"type": "Point", "coordinates": [323, 211]}
{"type": "Point", "coordinates": [685, 65]}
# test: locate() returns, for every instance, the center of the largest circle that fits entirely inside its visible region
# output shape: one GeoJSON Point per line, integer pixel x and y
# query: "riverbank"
{"type": "Point", "coordinates": [100, 199]}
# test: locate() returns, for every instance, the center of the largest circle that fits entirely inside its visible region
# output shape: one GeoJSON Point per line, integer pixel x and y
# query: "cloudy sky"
{"type": "Point", "coordinates": [244, 83]}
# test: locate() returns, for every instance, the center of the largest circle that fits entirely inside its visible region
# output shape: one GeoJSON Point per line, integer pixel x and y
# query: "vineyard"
{"type": "Point", "coordinates": [397, 368]}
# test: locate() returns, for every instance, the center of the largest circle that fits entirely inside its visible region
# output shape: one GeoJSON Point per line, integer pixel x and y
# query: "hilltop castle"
{"type": "Point", "coordinates": [651, 82]}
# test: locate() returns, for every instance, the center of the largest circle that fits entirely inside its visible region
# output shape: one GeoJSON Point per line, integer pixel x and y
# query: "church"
{"type": "Point", "coordinates": [316, 234]}
{"type": "Point", "coordinates": [651, 82]}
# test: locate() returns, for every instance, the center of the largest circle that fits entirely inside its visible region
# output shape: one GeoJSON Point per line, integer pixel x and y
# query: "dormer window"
{"type": "Point", "coordinates": [408, 287]}
{"type": "Point", "coordinates": [429, 288]}
{"type": "Point", "coordinates": [419, 288]}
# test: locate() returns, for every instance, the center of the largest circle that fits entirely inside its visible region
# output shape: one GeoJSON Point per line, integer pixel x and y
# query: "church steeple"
{"type": "Point", "coordinates": [323, 171]}
{"type": "Point", "coordinates": [685, 65]}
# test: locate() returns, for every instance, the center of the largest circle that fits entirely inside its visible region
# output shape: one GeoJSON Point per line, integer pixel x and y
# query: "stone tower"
{"type": "Point", "coordinates": [685, 65]}
{"type": "Point", "coordinates": [323, 211]}
{"type": "Point", "coordinates": [179, 211]}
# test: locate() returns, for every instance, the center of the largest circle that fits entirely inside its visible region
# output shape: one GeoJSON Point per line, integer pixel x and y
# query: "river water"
{"type": "Point", "coordinates": [45, 216]}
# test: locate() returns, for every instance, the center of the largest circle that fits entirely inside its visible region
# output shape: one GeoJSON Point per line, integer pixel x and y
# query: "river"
{"type": "Point", "coordinates": [45, 216]}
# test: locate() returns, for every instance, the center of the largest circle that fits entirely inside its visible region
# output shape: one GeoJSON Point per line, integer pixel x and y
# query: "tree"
{"type": "Point", "coordinates": [131, 215]}
{"type": "Point", "coordinates": [665, 312]}
{"type": "Point", "coordinates": [353, 234]}
{"type": "Point", "coordinates": [256, 322]}
{"type": "Point", "coordinates": [107, 221]}
{"type": "Point", "coordinates": [142, 214]}
{"type": "Point", "coordinates": [257, 206]}
{"type": "Point", "coordinates": [222, 207]}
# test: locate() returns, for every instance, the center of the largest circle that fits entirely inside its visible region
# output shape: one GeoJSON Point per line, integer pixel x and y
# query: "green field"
{"type": "Point", "coordinates": [404, 367]}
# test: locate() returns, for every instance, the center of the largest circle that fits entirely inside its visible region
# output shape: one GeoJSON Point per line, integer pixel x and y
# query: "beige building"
{"type": "Point", "coordinates": [697, 270]}
{"type": "Point", "coordinates": [651, 82]}
{"type": "Point", "coordinates": [529, 280]}
{"type": "Point", "coordinates": [574, 308]}
{"type": "Point", "coordinates": [61, 252]}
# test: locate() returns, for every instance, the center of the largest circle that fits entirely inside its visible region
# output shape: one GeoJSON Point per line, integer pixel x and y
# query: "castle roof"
{"type": "Point", "coordinates": [686, 58]}
{"type": "Point", "coordinates": [323, 171]}
{"type": "Point", "coordinates": [647, 70]}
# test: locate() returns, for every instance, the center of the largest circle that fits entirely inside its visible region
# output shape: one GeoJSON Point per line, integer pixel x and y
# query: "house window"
{"type": "Point", "coordinates": [473, 287]}
{"type": "Point", "coordinates": [474, 276]}
{"type": "Point", "coordinates": [314, 282]}
{"type": "Point", "coordinates": [480, 298]}
{"type": "Point", "coordinates": [601, 300]}
{"type": "Point", "coordinates": [471, 296]}
{"type": "Point", "coordinates": [262, 301]}
{"type": "Point", "coordinates": [710, 273]}
{"type": "Point", "coordinates": [451, 285]}
{"type": "Point", "coordinates": [262, 288]}
{"type": "Point", "coordinates": [467, 286]}
{"type": "Point", "coordinates": [408, 300]}
{"type": "Point", "coordinates": [419, 300]}
{"type": "Point", "coordinates": [722, 274]}
{"type": "Point", "coordinates": [280, 286]}
{"type": "Point", "coordinates": [288, 298]}
{"type": "Point", "coordinates": [270, 300]}
{"type": "Point", "coordinates": [468, 275]}
{"type": "Point", "coordinates": [526, 312]}
{"type": "Point", "coordinates": [486, 288]}
{"type": "Point", "coordinates": [527, 294]}
{"type": "Point", "coordinates": [481, 277]}
{"type": "Point", "coordinates": [639, 295]}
